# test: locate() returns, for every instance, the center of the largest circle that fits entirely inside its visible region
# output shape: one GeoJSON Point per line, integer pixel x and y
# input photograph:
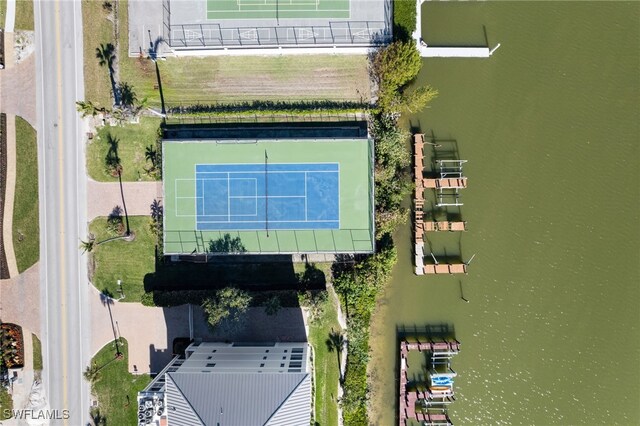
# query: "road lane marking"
{"type": "Point", "coordinates": [63, 347]}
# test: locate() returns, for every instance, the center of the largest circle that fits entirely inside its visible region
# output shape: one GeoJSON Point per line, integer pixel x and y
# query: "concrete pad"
{"type": "Point", "coordinates": [102, 197]}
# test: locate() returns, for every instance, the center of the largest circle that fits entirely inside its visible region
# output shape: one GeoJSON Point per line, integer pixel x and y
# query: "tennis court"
{"type": "Point", "coordinates": [268, 196]}
{"type": "Point", "coordinates": [277, 9]}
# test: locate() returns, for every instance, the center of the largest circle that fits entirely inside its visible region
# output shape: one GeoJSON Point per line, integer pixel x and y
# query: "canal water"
{"type": "Point", "coordinates": [550, 128]}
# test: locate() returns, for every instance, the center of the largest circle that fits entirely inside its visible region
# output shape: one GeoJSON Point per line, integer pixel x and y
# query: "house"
{"type": "Point", "coordinates": [231, 384]}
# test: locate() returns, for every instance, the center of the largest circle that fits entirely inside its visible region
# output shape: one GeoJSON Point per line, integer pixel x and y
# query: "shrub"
{"type": "Point", "coordinates": [404, 19]}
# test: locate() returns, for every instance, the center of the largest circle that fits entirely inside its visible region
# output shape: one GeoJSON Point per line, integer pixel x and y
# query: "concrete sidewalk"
{"type": "Point", "coordinates": [102, 197]}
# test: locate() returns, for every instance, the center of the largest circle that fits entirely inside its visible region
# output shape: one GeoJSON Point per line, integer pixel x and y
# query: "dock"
{"type": "Point", "coordinates": [427, 51]}
{"type": "Point", "coordinates": [447, 188]}
{"type": "Point", "coordinates": [432, 401]}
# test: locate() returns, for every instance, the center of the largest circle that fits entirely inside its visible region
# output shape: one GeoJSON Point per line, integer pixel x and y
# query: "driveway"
{"type": "Point", "coordinates": [150, 331]}
{"type": "Point", "coordinates": [102, 197]}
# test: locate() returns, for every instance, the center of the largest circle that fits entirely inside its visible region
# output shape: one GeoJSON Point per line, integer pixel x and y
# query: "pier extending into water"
{"type": "Point", "coordinates": [434, 399]}
{"type": "Point", "coordinates": [427, 51]}
{"type": "Point", "coordinates": [451, 179]}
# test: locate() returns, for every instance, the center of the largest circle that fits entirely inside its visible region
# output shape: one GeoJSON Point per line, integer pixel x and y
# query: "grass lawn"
{"type": "Point", "coordinates": [327, 374]}
{"type": "Point", "coordinates": [24, 15]}
{"type": "Point", "coordinates": [97, 86]}
{"type": "Point", "coordinates": [133, 140]}
{"type": "Point", "coordinates": [114, 384]}
{"type": "Point", "coordinates": [190, 80]}
{"type": "Point", "coordinates": [3, 12]}
{"type": "Point", "coordinates": [26, 237]}
{"type": "Point", "coordinates": [37, 353]}
{"type": "Point", "coordinates": [121, 260]}
{"type": "Point", "coordinates": [6, 404]}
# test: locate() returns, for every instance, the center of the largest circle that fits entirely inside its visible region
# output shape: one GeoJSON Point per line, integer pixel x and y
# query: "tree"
{"type": "Point", "coordinates": [89, 245]}
{"type": "Point", "coordinates": [394, 66]}
{"type": "Point", "coordinates": [151, 155]}
{"type": "Point", "coordinates": [228, 303]}
{"type": "Point", "coordinates": [272, 305]}
{"type": "Point", "coordinates": [127, 95]}
{"type": "Point", "coordinates": [416, 100]}
{"type": "Point", "coordinates": [114, 221]}
{"type": "Point", "coordinates": [86, 108]}
{"type": "Point", "coordinates": [106, 55]}
{"type": "Point", "coordinates": [92, 372]}
{"type": "Point", "coordinates": [336, 342]}
{"type": "Point", "coordinates": [114, 166]}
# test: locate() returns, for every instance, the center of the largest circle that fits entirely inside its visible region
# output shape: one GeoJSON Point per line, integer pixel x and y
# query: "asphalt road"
{"type": "Point", "coordinates": [61, 164]}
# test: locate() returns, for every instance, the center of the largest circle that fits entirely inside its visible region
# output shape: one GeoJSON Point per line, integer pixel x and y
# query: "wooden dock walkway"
{"type": "Point", "coordinates": [445, 268]}
{"type": "Point", "coordinates": [407, 400]}
{"type": "Point", "coordinates": [444, 226]}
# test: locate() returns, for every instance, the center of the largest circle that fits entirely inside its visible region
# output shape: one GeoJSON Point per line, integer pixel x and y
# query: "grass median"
{"type": "Point", "coordinates": [121, 260]}
{"type": "Point", "coordinates": [116, 388]}
{"type": "Point", "coordinates": [133, 139]}
{"type": "Point", "coordinates": [26, 230]}
{"type": "Point", "coordinates": [37, 353]}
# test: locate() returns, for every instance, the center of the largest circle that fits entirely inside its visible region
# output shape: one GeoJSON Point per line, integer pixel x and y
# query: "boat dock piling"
{"type": "Point", "coordinates": [433, 398]}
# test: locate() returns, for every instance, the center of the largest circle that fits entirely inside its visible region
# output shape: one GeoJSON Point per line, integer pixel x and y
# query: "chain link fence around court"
{"type": "Point", "coordinates": [356, 33]}
{"type": "Point", "coordinates": [271, 242]}
{"type": "Point", "coordinates": [364, 33]}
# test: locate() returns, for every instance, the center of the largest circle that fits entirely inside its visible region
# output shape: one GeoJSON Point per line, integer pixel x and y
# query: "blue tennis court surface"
{"type": "Point", "coordinates": [267, 196]}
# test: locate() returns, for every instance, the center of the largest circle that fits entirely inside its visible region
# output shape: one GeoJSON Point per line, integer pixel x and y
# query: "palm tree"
{"type": "Point", "coordinates": [89, 245]}
{"type": "Point", "coordinates": [151, 155]}
{"type": "Point", "coordinates": [92, 372]}
{"type": "Point", "coordinates": [336, 342]}
{"type": "Point", "coordinates": [127, 95]}
{"type": "Point", "coordinates": [153, 55]}
{"type": "Point", "coordinates": [113, 163]}
{"type": "Point", "coordinates": [106, 55]}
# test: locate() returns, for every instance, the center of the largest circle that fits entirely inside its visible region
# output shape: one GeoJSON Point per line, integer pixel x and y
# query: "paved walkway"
{"type": "Point", "coordinates": [10, 17]}
{"type": "Point", "coordinates": [17, 98]}
{"type": "Point", "coordinates": [17, 85]}
{"type": "Point", "coordinates": [102, 197]}
{"type": "Point", "coordinates": [20, 299]}
{"type": "Point", "coordinates": [7, 221]}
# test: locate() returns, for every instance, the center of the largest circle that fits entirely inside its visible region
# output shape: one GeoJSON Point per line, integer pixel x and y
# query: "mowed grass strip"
{"type": "Point", "coordinates": [189, 80]}
{"type": "Point", "coordinates": [327, 373]}
{"type": "Point", "coordinates": [133, 139]}
{"type": "Point", "coordinates": [24, 15]}
{"type": "Point", "coordinates": [37, 353]}
{"type": "Point", "coordinates": [98, 29]}
{"type": "Point", "coordinates": [121, 260]}
{"type": "Point", "coordinates": [26, 230]}
{"type": "Point", "coordinates": [116, 388]}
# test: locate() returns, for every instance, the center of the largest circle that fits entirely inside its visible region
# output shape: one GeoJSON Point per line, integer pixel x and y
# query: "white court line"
{"type": "Point", "coordinates": [265, 196]}
{"type": "Point", "coordinates": [274, 221]}
{"type": "Point", "coordinates": [262, 172]}
{"type": "Point", "coordinates": [305, 196]}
